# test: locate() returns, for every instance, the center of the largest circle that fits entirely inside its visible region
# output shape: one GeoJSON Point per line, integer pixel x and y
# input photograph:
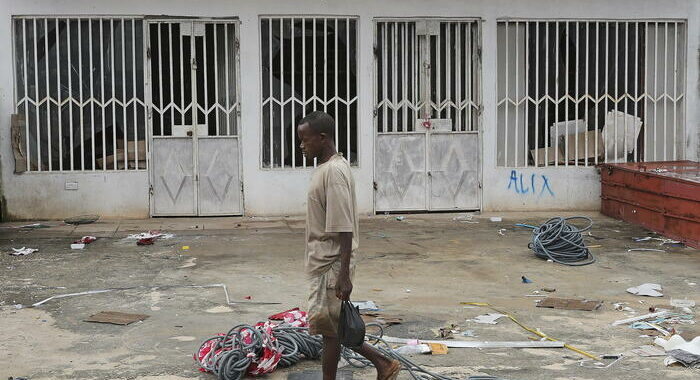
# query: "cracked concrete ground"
{"type": "Point", "coordinates": [418, 269]}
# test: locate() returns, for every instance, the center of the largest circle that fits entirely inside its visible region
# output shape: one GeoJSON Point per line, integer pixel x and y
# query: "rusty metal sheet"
{"type": "Point", "coordinates": [116, 318]}
{"type": "Point", "coordinates": [661, 196]}
{"type": "Point", "coordinates": [569, 304]}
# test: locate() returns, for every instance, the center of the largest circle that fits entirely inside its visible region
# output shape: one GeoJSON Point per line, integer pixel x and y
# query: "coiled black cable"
{"type": "Point", "coordinates": [562, 242]}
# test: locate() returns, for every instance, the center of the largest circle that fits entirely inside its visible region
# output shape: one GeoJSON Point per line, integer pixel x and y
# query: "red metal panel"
{"type": "Point", "coordinates": [661, 196]}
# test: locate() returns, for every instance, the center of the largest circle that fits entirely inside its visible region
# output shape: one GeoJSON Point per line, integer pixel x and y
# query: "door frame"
{"type": "Point", "coordinates": [235, 21]}
{"type": "Point", "coordinates": [480, 115]}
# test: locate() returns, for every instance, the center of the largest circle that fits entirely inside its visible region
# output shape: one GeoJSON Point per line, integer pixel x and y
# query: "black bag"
{"type": "Point", "coordinates": [351, 327]}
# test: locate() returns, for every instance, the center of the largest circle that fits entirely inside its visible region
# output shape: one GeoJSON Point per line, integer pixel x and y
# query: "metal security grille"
{"type": "Point", "coordinates": [80, 89]}
{"type": "Point", "coordinates": [213, 55]}
{"type": "Point", "coordinates": [308, 64]}
{"type": "Point", "coordinates": [583, 92]}
{"type": "Point", "coordinates": [426, 69]}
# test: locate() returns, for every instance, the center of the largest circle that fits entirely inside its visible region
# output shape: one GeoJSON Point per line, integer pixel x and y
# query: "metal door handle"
{"type": "Point", "coordinates": [189, 133]}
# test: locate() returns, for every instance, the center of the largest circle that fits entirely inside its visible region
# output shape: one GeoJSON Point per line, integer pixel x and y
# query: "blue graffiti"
{"type": "Point", "coordinates": [520, 185]}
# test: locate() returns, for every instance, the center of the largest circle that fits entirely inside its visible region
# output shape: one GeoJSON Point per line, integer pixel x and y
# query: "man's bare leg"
{"type": "Point", "coordinates": [380, 362]}
{"type": "Point", "coordinates": [331, 356]}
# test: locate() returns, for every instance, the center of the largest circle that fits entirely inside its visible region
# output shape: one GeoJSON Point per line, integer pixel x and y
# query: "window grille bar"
{"type": "Point", "coordinates": [271, 104]}
{"type": "Point", "coordinates": [36, 97]}
{"type": "Point", "coordinates": [102, 99]}
{"type": "Point", "coordinates": [347, 86]}
{"type": "Point", "coordinates": [665, 90]}
{"type": "Point", "coordinates": [384, 77]}
{"type": "Point", "coordinates": [48, 90]}
{"type": "Point", "coordinates": [92, 99]}
{"type": "Point", "coordinates": [294, 119]}
{"type": "Point", "coordinates": [58, 96]}
{"type": "Point", "coordinates": [507, 93]}
{"type": "Point", "coordinates": [226, 80]}
{"type": "Point", "coordinates": [675, 89]}
{"type": "Point", "coordinates": [80, 94]}
{"type": "Point", "coordinates": [537, 93]}
{"type": "Point", "coordinates": [656, 87]}
{"type": "Point", "coordinates": [216, 79]}
{"type": "Point", "coordinates": [517, 91]}
{"type": "Point", "coordinates": [124, 129]}
{"type": "Point", "coordinates": [282, 103]}
{"type": "Point", "coordinates": [133, 93]}
{"type": "Point", "coordinates": [170, 78]}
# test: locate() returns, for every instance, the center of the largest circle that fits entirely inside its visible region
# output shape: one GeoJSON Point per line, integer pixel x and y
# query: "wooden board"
{"type": "Point", "coordinates": [569, 304]}
{"type": "Point", "coordinates": [116, 318]}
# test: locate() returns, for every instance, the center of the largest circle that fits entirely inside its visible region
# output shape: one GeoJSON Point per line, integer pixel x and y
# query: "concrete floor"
{"type": "Point", "coordinates": [419, 269]}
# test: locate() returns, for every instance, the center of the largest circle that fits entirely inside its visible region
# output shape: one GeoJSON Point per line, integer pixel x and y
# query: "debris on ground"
{"type": "Point", "coordinates": [384, 320]}
{"type": "Point", "coordinates": [366, 305]}
{"type": "Point", "coordinates": [682, 303]}
{"type": "Point", "coordinates": [490, 318]}
{"type": "Point", "coordinates": [562, 242]}
{"type": "Point", "coordinates": [85, 240]}
{"type": "Point", "coordinates": [34, 226]}
{"type": "Point", "coordinates": [620, 306]}
{"type": "Point", "coordinates": [645, 250]}
{"type": "Point", "coordinates": [469, 334]}
{"type": "Point", "coordinates": [648, 351]}
{"type": "Point", "coordinates": [82, 219]}
{"type": "Point", "coordinates": [23, 251]}
{"type": "Point", "coordinates": [447, 332]}
{"type": "Point", "coordinates": [480, 344]}
{"type": "Point", "coordinates": [525, 280]}
{"type": "Point", "coordinates": [400, 218]}
{"type": "Point", "coordinates": [438, 348]}
{"type": "Point", "coordinates": [649, 290]}
{"type": "Point", "coordinates": [569, 304]}
{"type": "Point", "coordinates": [496, 219]}
{"type": "Point", "coordinates": [148, 238]}
{"type": "Point", "coordinates": [548, 290]}
{"type": "Point", "coordinates": [116, 318]}
{"type": "Point", "coordinates": [466, 218]}
{"type": "Point", "coordinates": [641, 318]}
{"type": "Point", "coordinates": [502, 232]}
{"type": "Point", "coordinates": [413, 349]}
{"type": "Point", "coordinates": [77, 246]}
{"type": "Point", "coordinates": [681, 351]}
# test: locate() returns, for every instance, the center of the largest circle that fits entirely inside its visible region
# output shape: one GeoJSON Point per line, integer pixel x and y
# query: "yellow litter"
{"type": "Point", "coordinates": [538, 333]}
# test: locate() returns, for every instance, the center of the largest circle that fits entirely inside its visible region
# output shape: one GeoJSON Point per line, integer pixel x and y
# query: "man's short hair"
{"type": "Point", "coordinates": [320, 122]}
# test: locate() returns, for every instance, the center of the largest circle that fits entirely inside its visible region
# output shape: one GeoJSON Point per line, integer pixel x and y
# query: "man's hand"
{"type": "Point", "coordinates": [343, 287]}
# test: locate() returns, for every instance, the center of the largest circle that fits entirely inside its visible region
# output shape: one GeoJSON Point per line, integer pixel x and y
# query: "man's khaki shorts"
{"type": "Point", "coordinates": [324, 306]}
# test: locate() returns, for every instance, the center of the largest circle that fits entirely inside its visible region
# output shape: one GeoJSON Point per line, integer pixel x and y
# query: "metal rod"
{"type": "Point", "coordinates": [126, 140]}
{"type": "Point", "coordinates": [58, 95]}
{"type": "Point", "coordinates": [404, 75]}
{"type": "Point", "coordinates": [325, 66]}
{"type": "Point", "coordinates": [607, 43]}
{"type": "Point", "coordinates": [626, 92]}
{"type": "Point", "coordinates": [216, 79]}
{"type": "Point", "coordinates": [36, 98]}
{"type": "Point", "coordinates": [566, 99]}
{"type": "Point", "coordinates": [293, 135]}
{"type": "Point", "coordinates": [449, 50]}
{"type": "Point", "coordinates": [226, 82]}
{"type": "Point", "coordinates": [546, 93]}
{"type": "Point", "coordinates": [172, 82]}
{"type": "Point", "coordinates": [458, 74]}
{"type": "Point", "coordinates": [134, 97]}
{"type": "Point", "coordinates": [537, 93]}
{"type": "Point", "coordinates": [282, 98]}
{"type": "Point", "coordinates": [347, 87]}
{"type": "Point", "coordinates": [394, 81]}
{"type": "Point", "coordinates": [617, 92]}
{"type": "Point", "coordinates": [303, 73]}
{"type": "Point", "coordinates": [48, 92]}
{"type": "Point", "coordinates": [206, 81]}
{"type": "Point", "coordinates": [92, 98]}
{"type": "Point", "coordinates": [438, 73]}
{"type": "Point", "coordinates": [507, 96]}
{"type": "Point", "coordinates": [665, 93]}
{"type": "Point", "coordinates": [271, 103]}
{"type": "Point", "coordinates": [636, 84]}
{"type": "Point", "coordinates": [80, 79]}
{"type": "Point", "coordinates": [675, 89]}
{"type": "Point", "coordinates": [597, 81]}
{"type": "Point", "coordinates": [556, 96]}
{"type": "Point", "coordinates": [70, 94]}
{"type": "Point", "coordinates": [102, 94]}
{"type": "Point", "coordinates": [160, 78]}
{"type": "Point", "coordinates": [183, 107]}
{"type": "Point", "coordinates": [114, 108]}
{"type": "Point", "coordinates": [517, 92]}
{"type": "Point", "coordinates": [526, 98]}
{"type": "Point", "coordinates": [656, 88]}
{"type": "Point", "coordinates": [384, 76]}
{"type": "Point", "coordinates": [588, 30]}
{"type": "Point", "coordinates": [576, 97]}
{"type": "Point", "coordinates": [469, 76]}
{"type": "Point", "coordinates": [335, 88]}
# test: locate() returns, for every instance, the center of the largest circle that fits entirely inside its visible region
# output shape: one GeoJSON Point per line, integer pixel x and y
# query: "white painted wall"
{"type": "Point", "coordinates": [283, 192]}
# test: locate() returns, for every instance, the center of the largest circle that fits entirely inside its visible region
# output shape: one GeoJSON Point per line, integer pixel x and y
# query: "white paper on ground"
{"type": "Point", "coordinates": [676, 342]}
{"type": "Point", "coordinates": [414, 349]}
{"type": "Point", "coordinates": [490, 318]}
{"type": "Point", "coordinates": [22, 251]}
{"type": "Point", "coordinates": [650, 290]}
{"type": "Point", "coordinates": [366, 305]}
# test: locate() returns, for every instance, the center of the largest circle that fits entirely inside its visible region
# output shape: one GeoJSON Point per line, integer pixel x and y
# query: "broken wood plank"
{"type": "Point", "coordinates": [569, 304]}
{"type": "Point", "coordinates": [116, 318]}
{"type": "Point", "coordinates": [640, 318]}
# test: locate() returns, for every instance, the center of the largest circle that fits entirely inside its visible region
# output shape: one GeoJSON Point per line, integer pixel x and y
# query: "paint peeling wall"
{"type": "Point", "coordinates": [282, 192]}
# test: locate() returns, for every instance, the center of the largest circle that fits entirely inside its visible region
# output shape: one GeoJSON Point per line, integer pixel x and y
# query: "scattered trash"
{"type": "Point", "coordinates": [384, 320]}
{"type": "Point", "coordinates": [85, 240]}
{"type": "Point", "coordinates": [655, 329]}
{"type": "Point", "coordinates": [89, 292]}
{"type": "Point", "coordinates": [645, 249]}
{"type": "Point", "coordinates": [146, 241]}
{"type": "Point", "coordinates": [525, 225]}
{"type": "Point", "coordinates": [648, 351]}
{"type": "Point", "coordinates": [466, 218]}
{"type": "Point", "coordinates": [77, 246]}
{"type": "Point", "coordinates": [599, 364]}
{"type": "Point", "coordinates": [116, 318]}
{"type": "Point", "coordinates": [649, 290]}
{"type": "Point", "coordinates": [413, 349]}
{"type": "Point", "coordinates": [377, 290]}
{"type": "Point", "coordinates": [150, 234]}
{"type": "Point", "coordinates": [82, 219]}
{"type": "Point", "coordinates": [641, 318]}
{"type": "Point", "coordinates": [502, 232]}
{"type": "Point", "coordinates": [400, 218]}
{"type": "Point", "coordinates": [366, 305]}
{"type": "Point", "coordinates": [682, 303]}
{"type": "Point", "coordinates": [22, 251]}
{"type": "Point", "coordinates": [479, 344]}
{"type": "Point", "coordinates": [469, 333]}
{"type": "Point", "coordinates": [496, 219]}
{"type": "Point", "coordinates": [248, 297]}
{"type": "Point", "coordinates": [438, 348]}
{"type": "Point", "coordinates": [681, 351]}
{"type": "Point", "coordinates": [407, 290]}
{"type": "Point", "coordinates": [185, 247]}
{"type": "Point", "coordinates": [526, 280]}
{"type": "Point", "coordinates": [490, 318]}
{"type": "Point", "coordinates": [34, 226]}
{"type": "Point", "coordinates": [620, 307]}
{"type": "Point", "coordinates": [446, 332]}
{"type": "Point", "coordinates": [570, 304]}
{"type": "Point", "coordinates": [549, 290]}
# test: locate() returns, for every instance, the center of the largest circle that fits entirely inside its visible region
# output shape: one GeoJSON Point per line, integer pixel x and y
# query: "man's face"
{"type": "Point", "coordinates": [310, 142]}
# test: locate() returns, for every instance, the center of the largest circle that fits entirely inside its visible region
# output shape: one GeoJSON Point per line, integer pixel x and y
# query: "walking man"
{"type": "Point", "coordinates": [331, 240]}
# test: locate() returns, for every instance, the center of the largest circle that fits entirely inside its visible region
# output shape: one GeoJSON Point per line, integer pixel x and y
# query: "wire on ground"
{"type": "Point", "coordinates": [562, 242]}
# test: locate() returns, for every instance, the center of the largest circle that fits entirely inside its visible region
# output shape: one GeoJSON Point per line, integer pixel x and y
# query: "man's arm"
{"type": "Point", "coordinates": [343, 285]}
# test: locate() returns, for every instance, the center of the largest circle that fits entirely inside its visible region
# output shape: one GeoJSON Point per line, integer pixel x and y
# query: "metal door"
{"type": "Point", "coordinates": [194, 118]}
{"type": "Point", "coordinates": [427, 115]}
